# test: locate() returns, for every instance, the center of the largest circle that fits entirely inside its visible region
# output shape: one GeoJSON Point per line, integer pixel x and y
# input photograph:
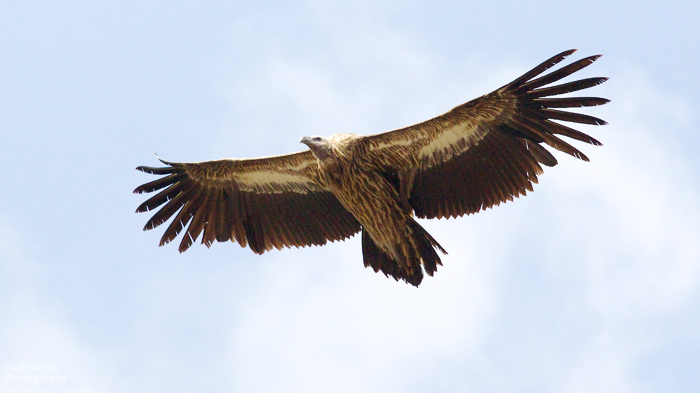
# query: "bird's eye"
{"type": "Point", "coordinates": [316, 139]}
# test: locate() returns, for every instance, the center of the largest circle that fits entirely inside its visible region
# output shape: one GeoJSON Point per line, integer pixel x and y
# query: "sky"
{"type": "Point", "coordinates": [590, 283]}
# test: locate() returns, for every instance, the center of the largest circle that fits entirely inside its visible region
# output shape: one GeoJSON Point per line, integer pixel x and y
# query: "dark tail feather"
{"type": "Point", "coordinates": [426, 246]}
{"type": "Point", "coordinates": [379, 261]}
{"type": "Point", "coordinates": [412, 273]}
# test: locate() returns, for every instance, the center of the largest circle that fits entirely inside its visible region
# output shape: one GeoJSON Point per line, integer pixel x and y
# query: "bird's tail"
{"type": "Point", "coordinates": [425, 247]}
{"type": "Point", "coordinates": [410, 270]}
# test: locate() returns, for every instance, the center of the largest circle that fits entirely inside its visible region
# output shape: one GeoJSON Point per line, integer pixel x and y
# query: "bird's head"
{"type": "Point", "coordinates": [321, 147]}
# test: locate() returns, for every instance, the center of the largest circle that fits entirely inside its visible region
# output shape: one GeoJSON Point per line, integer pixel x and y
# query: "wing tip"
{"type": "Point", "coordinates": [162, 160]}
{"type": "Point", "coordinates": [601, 101]}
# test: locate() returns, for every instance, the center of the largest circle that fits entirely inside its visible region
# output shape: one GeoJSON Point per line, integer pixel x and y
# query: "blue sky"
{"type": "Point", "coordinates": [588, 284]}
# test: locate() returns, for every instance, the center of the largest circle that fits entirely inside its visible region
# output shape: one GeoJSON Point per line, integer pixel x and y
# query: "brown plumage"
{"type": "Point", "coordinates": [475, 156]}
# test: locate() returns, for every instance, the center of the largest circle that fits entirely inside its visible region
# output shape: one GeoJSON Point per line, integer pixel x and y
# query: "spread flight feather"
{"type": "Point", "coordinates": [477, 155]}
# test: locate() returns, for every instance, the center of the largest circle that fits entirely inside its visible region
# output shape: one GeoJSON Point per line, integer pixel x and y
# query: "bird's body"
{"type": "Point", "coordinates": [477, 155]}
{"type": "Point", "coordinates": [389, 232]}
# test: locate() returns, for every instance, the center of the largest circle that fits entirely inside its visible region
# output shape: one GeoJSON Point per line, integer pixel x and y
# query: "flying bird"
{"type": "Point", "coordinates": [477, 155]}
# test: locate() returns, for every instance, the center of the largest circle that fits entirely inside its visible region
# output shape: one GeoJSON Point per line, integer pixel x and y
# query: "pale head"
{"type": "Point", "coordinates": [330, 149]}
{"type": "Point", "coordinates": [321, 147]}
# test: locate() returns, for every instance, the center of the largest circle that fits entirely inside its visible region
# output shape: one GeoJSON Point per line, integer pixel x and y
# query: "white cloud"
{"type": "Point", "coordinates": [605, 365]}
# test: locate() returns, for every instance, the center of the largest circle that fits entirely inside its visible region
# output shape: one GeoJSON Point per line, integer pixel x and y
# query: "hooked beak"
{"type": "Point", "coordinates": [305, 140]}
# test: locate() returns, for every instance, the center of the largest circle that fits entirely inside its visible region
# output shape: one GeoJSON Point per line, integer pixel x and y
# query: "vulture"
{"type": "Point", "coordinates": [479, 154]}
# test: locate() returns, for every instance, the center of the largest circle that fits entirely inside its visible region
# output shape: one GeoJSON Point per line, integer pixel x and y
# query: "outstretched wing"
{"type": "Point", "coordinates": [488, 150]}
{"type": "Point", "coordinates": [264, 203]}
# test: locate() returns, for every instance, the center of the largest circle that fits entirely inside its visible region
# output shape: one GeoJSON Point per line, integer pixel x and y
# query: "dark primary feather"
{"type": "Point", "coordinates": [559, 74]}
{"type": "Point", "coordinates": [567, 102]}
{"type": "Point", "coordinates": [544, 66]}
{"type": "Point", "coordinates": [565, 88]}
